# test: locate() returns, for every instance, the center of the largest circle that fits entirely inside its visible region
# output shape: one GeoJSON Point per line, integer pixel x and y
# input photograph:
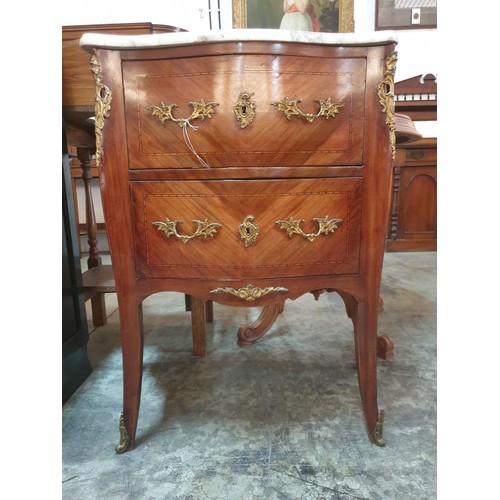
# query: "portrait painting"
{"type": "Point", "coordinates": [330, 16]}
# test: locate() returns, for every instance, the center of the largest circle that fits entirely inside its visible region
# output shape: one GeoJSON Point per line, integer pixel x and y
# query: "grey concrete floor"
{"type": "Point", "coordinates": [281, 419]}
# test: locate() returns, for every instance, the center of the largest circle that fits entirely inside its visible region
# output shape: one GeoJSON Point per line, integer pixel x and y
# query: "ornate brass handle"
{"type": "Point", "coordinates": [201, 110]}
{"type": "Point", "coordinates": [289, 107]}
{"type": "Point", "coordinates": [250, 292]}
{"type": "Point", "coordinates": [325, 226]}
{"type": "Point", "coordinates": [205, 229]}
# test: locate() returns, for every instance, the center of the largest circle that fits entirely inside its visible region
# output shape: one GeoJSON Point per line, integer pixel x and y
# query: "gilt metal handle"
{"type": "Point", "coordinates": [327, 109]}
{"type": "Point", "coordinates": [325, 226]}
{"type": "Point", "coordinates": [250, 292]}
{"type": "Point", "coordinates": [201, 110]}
{"type": "Point", "coordinates": [205, 229]}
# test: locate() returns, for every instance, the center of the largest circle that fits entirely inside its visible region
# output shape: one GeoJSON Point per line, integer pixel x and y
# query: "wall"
{"type": "Point", "coordinates": [188, 14]}
{"type": "Point", "coordinates": [416, 49]}
{"type": "Point", "coordinates": [417, 52]}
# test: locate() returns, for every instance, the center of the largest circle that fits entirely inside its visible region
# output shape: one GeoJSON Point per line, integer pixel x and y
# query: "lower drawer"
{"type": "Point", "coordinates": [246, 228]}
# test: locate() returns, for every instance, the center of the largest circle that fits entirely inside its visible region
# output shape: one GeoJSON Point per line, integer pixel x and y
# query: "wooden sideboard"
{"type": "Point", "coordinates": [245, 167]}
{"type": "Point", "coordinates": [413, 222]}
{"type": "Point", "coordinates": [78, 94]}
{"type": "Point", "coordinates": [414, 204]}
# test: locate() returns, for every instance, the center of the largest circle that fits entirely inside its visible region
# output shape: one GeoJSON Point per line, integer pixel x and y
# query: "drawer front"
{"type": "Point", "coordinates": [222, 248]}
{"type": "Point", "coordinates": [421, 156]}
{"type": "Point", "coordinates": [219, 139]}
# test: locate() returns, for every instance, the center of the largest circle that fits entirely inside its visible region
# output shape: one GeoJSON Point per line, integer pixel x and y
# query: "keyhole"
{"type": "Point", "coordinates": [244, 109]}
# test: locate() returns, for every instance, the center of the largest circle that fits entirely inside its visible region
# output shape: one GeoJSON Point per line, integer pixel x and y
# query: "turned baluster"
{"type": "Point", "coordinates": [94, 260]}
{"type": "Point", "coordinates": [85, 158]}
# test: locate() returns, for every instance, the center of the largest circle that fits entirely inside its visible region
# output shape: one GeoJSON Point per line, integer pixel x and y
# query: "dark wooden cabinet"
{"type": "Point", "coordinates": [413, 222]}
{"type": "Point", "coordinates": [75, 364]}
{"type": "Point", "coordinates": [246, 168]}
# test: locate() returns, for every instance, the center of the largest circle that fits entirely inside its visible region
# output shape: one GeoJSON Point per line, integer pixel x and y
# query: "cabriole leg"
{"type": "Point", "coordinates": [248, 334]}
{"type": "Point", "coordinates": [132, 354]}
{"type": "Point", "coordinates": [365, 334]}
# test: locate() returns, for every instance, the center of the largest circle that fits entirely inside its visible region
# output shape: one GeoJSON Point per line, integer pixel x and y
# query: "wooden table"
{"type": "Point", "coordinates": [248, 168]}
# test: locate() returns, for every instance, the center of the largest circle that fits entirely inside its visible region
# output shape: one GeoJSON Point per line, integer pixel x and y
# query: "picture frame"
{"type": "Point", "coordinates": [405, 14]}
{"type": "Point", "coordinates": [243, 17]}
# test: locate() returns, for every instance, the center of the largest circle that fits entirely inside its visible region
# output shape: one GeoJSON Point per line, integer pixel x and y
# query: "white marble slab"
{"type": "Point", "coordinates": [90, 40]}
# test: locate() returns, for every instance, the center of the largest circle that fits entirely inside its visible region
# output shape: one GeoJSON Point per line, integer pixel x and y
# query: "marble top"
{"type": "Point", "coordinates": [90, 40]}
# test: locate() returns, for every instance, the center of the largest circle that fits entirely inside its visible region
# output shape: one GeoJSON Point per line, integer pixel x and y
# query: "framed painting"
{"type": "Point", "coordinates": [333, 16]}
{"type": "Point", "coordinates": [405, 14]}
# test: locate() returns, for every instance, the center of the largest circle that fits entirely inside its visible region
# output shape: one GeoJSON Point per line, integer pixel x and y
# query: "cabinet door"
{"type": "Point", "coordinates": [418, 210]}
{"type": "Point", "coordinates": [305, 227]}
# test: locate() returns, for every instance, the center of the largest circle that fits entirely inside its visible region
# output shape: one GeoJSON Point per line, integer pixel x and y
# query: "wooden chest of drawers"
{"type": "Point", "coordinates": [245, 167]}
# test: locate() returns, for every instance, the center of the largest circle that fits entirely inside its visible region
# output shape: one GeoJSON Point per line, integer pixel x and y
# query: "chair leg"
{"type": "Point", "coordinates": [98, 305]}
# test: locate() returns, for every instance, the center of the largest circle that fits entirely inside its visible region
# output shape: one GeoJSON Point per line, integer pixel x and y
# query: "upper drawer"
{"type": "Point", "coordinates": [271, 138]}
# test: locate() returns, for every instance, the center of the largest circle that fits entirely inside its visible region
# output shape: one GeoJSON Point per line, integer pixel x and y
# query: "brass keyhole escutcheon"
{"type": "Point", "coordinates": [248, 231]}
{"type": "Point", "coordinates": [244, 109]}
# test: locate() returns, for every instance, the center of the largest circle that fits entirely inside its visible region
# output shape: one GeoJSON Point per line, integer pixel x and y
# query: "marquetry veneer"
{"type": "Point", "coordinates": [245, 167]}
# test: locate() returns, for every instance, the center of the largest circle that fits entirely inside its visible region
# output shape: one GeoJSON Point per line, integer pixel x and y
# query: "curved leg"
{"type": "Point", "coordinates": [380, 304]}
{"type": "Point", "coordinates": [385, 347]}
{"type": "Point", "coordinates": [365, 334]}
{"type": "Point", "coordinates": [132, 354]}
{"type": "Point", "coordinates": [364, 317]}
{"type": "Point", "coordinates": [248, 334]}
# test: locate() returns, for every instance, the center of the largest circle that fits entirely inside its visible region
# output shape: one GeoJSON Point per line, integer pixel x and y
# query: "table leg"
{"type": "Point", "coordinates": [248, 334]}
{"type": "Point", "coordinates": [198, 320]}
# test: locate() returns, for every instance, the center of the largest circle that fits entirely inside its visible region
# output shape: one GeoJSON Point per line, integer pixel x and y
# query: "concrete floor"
{"type": "Point", "coordinates": [279, 420]}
